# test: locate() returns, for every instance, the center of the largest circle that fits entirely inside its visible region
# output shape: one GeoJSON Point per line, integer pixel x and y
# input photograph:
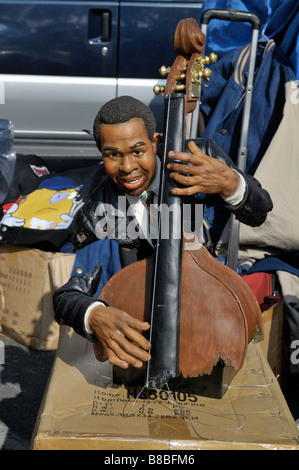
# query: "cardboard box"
{"type": "Point", "coordinates": [272, 343]}
{"type": "Point", "coordinates": [28, 278]}
{"type": "Point", "coordinates": [82, 409]}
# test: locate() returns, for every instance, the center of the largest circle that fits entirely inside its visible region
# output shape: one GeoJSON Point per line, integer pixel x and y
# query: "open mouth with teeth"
{"type": "Point", "coordinates": [133, 182]}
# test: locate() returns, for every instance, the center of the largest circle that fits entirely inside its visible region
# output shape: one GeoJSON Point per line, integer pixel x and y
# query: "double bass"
{"type": "Point", "coordinates": [202, 314]}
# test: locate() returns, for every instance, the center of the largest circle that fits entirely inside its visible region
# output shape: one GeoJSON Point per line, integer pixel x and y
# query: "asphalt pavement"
{"type": "Point", "coordinates": [23, 378]}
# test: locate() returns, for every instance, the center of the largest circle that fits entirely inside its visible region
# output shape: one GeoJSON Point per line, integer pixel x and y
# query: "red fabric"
{"type": "Point", "coordinates": [261, 286]}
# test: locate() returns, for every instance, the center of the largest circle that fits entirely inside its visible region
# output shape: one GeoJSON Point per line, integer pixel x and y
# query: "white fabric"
{"type": "Point", "coordinates": [86, 316]}
{"type": "Point", "coordinates": [237, 197]}
{"type": "Point", "coordinates": [278, 172]}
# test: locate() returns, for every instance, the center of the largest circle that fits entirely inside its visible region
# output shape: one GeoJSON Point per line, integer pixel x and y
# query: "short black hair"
{"type": "Point", "coordinates": [123, 109]}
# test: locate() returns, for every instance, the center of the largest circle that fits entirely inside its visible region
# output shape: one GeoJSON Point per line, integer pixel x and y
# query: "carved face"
{"type": "Point", "coordinates": [129, 155]}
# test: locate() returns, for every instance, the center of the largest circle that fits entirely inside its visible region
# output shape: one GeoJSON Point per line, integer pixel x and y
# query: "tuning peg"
{"type": "Point", "coordinates": [159, 89]}
{"type": "Point", "coordinates": [206, 74]}
{"type": "Point", "coordinates": [163, 70]}
{"type": "Point", "coordinates": [196, 74]}
{"type": "Point", "coordinates": [180, 88]}
{"type": "Point", "coordinates": [213, 57]}
{"type": "Point", "coordinates": [182, 76]}
{"type": "Point", "coordinates": [202, 61]}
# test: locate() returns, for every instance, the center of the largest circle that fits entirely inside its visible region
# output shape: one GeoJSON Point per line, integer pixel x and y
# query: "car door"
{"type": "Point", "coordinates": [58, 64]}
{"type": "Point", "coordinates": [61, 60]}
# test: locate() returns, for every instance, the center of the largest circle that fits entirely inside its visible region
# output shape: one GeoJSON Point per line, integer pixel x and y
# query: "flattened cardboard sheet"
{"type": "Point", "coordinates": [272, 343]}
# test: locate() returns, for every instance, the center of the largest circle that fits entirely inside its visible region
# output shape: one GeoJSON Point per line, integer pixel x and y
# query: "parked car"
{"type": "Point", "coordinates": [60, 60]}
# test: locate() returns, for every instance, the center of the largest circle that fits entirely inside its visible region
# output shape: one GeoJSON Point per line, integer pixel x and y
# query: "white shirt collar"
{"type": "Point", "coordinates": [137, 206]}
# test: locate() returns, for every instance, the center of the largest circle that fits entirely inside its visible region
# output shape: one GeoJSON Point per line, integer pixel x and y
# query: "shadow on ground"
{"type": "Point", "coordinates": [23, 377]}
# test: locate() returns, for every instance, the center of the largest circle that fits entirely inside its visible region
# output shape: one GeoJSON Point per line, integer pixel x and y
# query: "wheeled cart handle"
{"type": "Point", "coordinates": [231, 15]}
{"type": "Point", "coordinates": [238, 16]}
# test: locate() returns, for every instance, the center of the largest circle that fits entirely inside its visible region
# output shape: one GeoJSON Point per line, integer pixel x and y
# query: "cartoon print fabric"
{"type": "Point", "coordinates": [51, 206]}
{"type": "Point", "coordinates": [40, 207]}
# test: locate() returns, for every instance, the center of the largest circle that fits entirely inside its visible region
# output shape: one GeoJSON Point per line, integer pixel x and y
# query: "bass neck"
{"type": "Point", "coordinates": [165, 310]}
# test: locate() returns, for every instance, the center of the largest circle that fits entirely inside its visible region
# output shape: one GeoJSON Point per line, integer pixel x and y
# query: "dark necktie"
{"type": "Point", "coordinates": [148, 200]}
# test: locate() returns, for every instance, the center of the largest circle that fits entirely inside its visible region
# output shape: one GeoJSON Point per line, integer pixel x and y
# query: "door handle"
{"type": "Point", "coordinates": [99, 26]}
{"type": "Point", "coordinates": [105, 26]}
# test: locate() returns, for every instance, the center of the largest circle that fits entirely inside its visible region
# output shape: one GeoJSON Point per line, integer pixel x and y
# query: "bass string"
{"type": "Point", "coordinates": [256, 385]}
{"type": "Point", "coordinates": [185, 410]}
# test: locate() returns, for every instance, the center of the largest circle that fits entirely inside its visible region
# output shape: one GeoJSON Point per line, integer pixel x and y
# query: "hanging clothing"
{"type": "Point", "coordinates": [279, 21]}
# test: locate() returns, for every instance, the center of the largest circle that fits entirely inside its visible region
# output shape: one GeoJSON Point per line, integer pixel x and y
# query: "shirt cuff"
{"type": "Point", "coordinates": [86, 315]}
{"type": "Point", "coordinates": [238, 195]}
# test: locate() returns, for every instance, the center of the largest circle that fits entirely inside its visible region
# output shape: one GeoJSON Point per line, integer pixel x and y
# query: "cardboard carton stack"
{"type": "Point", "coordinates": [28, 278]}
